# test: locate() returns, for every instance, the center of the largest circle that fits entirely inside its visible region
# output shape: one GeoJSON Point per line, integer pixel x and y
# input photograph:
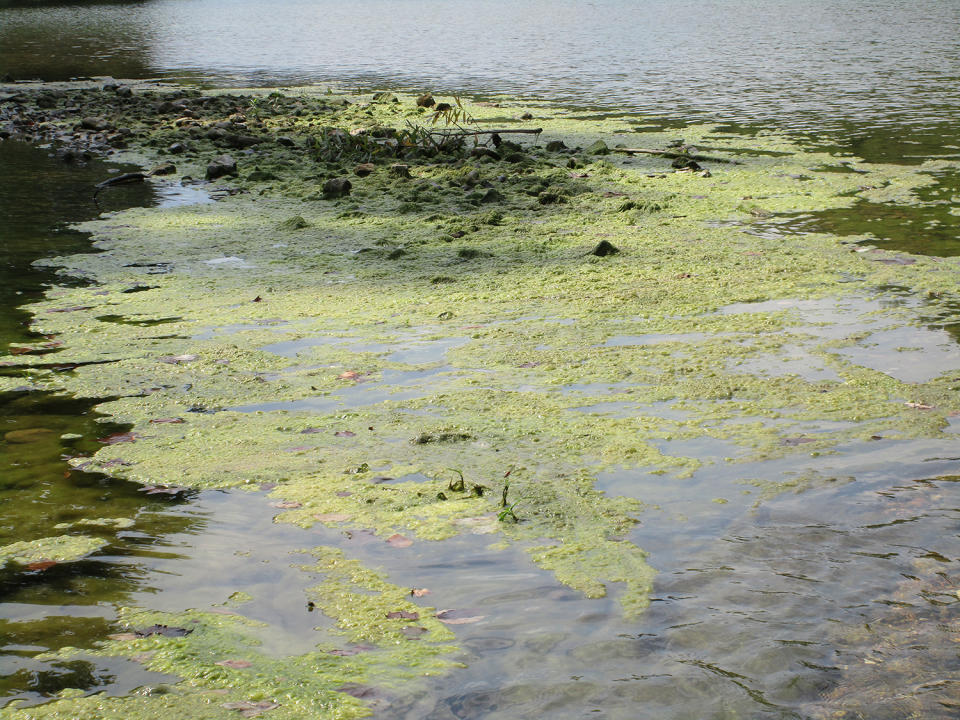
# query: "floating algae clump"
{"type": "Point", "coordinates": [59, 549]}
{"type": "Point", "coordinates": [224, 670]}
{"type": "Point", "coordinates": [457, 318]}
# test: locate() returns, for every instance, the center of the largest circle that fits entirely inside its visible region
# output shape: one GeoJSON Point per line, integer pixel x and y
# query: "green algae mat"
{"type": "Point", "coordinates": [404, 325]}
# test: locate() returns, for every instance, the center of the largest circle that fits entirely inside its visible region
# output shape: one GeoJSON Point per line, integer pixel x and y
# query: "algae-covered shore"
{"type": "Point", "coordinates": [422, 338]}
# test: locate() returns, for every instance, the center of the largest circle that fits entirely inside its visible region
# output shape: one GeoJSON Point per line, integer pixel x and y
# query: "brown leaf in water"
{"type": "Point", "coordinates": [286, 504]}
{"type": "Point", "coordinates": [178, 359]}
{"type": "Point", "coordinates": [459, 617]}
{"type": "Point", "coordinates": [20, 350]}
{"type": "Point", "coordinates": [344, 433]}
{"type": "Point", "coordinates": [332, 517]}
{"type": "Point", "coordinates": [352, 650]}
{"type": "Point", "coordinates": [419, 592]}
{"type": "Point", "coordinates": [357, 690]}
{"type": "Point", "coordinates": [124, 637]}
{"type": "Point", "coordinates": [168, 421]}
{"type": "Point", "coordinates": [116, 462]}
{"type": "Point", "coordinates": [350, 375]}
{"type": "Point", "coordinates": [41, 565]}
{"type": "Point", "coordinates": [919, 406]}
{"type": "Point", "coordinates": [118, 438]}
{"type": "Point", "coordinates": [73, 308]}
{"type": "Point", "coordinates": [162, 490]}
{"type": "Point", "coordinates": [399, 541]}
{"type": "Point", "coordinates": [235, 664]}
{"type": "Point", "coordinates": [403, 615]}
{"type": "Point", "coordinates": [250, 709]}
{"type": "Point", "coordinates": [796, 440]}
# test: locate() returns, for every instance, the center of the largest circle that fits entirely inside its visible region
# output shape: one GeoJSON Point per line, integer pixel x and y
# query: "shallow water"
{"type": "Point", "coordinates": [833, 597]}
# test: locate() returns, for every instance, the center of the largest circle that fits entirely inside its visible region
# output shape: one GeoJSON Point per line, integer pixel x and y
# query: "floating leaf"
{"type": "Point", "coordinates": [162, 490]}
{"type": "Point", "coordinates": [116, 462]}
{"type": "Point", "coordinates": [249, 709]}
{"type": "Point", "coordinates": [344, 433]}
{"type": "Point", "coordinates": [41, 565]}
{"type": "Point", "coordinates": [419, 592]}
{"type": "Point", "coordinates": [357, 690]}
{"type": "Point", "coordinates": [235, 664]}
{"type": "Point", "coordinates": [332, 517]}
{"type": "Point", "coordinates": [459, 617]}
{"type": "Point", "coordinates": [177, 359]}
{"type": "Point", "coordinates": [117, 438]}
{"type": "Point", "coordinates": [403, 615]}
{"type": "Point", "coordinates": [73, 308]}
{"type": "Point", "coordinates": [399, 541]}
{"type": "Point", "coordinates": [919, 406]}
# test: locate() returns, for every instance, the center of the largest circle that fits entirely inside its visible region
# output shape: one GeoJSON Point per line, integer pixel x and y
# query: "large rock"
{"type": "Point", "coordinates": [220, 166]}
{"type": "Point", "coordinates": [336, 187]}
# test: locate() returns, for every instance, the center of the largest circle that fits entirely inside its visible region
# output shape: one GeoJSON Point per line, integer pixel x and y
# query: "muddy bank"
{"type": "Point", "coordinates": [416, 334]}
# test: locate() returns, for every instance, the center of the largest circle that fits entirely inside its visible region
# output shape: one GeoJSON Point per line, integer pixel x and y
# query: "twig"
{"type": "Point", "coordinates": [467, 133]}
{"type": "Point", "coordinates": [673, 154]}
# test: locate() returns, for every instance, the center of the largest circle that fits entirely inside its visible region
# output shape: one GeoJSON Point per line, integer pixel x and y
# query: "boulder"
{"type": "Point", "coordinates": [337, 187]}
{"type": "Point", "coordinates": [220, 166]}
{"type": "Point", "coordinates": [426, 100]}
{"type": "Point", "coordinates": [597, 148]}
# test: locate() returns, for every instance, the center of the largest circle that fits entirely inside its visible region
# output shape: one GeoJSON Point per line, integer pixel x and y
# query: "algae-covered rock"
{"type": "Point", "coordinates": [59, 549]}
{"type": "Point", "coordinates": [294, 223]}
{"type": "Point", "coordinates": [604, 248]}
{"type": "Point", "coordinates": [598, 147]}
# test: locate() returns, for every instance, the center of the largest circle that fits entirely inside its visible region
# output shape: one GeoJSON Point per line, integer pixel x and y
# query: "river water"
{"type": "Point", "coordinates": [814, 606]}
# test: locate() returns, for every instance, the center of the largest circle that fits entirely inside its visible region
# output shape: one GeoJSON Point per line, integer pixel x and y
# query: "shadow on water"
{"type": "Point", "coordinates": [927, 226]}
{"type": "Point", "coordinates": [70, 603]}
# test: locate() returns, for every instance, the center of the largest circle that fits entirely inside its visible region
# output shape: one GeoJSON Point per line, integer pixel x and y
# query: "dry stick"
{"type": "Point", "coordinates": [467, 133]}
{"type": "Point", "coordinates": [671, 154]}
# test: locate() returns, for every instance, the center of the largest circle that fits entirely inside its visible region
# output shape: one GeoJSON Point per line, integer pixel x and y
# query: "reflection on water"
{"type": "Point", "coordinates": [802, 65]}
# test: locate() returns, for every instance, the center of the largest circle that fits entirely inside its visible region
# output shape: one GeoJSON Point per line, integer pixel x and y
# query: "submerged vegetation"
{"type": "Point", "coordinates": [374, 305]}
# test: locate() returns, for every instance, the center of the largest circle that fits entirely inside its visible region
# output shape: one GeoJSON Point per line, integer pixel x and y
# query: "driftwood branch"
{"type": "Point", "coordinates": [468, 133]}
{"type": "Point", "coordinates": [119, 180]}
{"type": "Point", "coordinates": [675, 154]}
